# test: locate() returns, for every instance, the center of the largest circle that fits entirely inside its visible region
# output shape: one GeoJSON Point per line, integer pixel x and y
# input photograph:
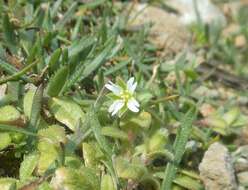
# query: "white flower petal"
{"type": "Point", "coordinates": [133, 105]}
{"type": "Point", "coordinates": [135, 102]}
{"type": "Point", "coordinates": [130, 83]}
{"type": "Point", "coordinates": [132, 89]}
{"type": "Point", "coordinates": [114, 88]}
{"type": "Point", "coordinates": [116, 106]}
{"type": "Point", "coordinates": [112, 107]}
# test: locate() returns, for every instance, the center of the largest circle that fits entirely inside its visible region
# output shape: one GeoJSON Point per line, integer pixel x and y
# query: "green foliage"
{"type": "Point", "coordinates": [92, 154]}
{"type": "Point", "coordinates": [27, 103]}
{"type": "Point", "coordinates": [114, 133]}
{"type": "Point", "coordinates": [107, 183]}
{"type": "Point", "coordinates": [126, 170]}
{"type": "Point", "coordinates": [49, 146]}
{"type": "Point", "coordinates": [28, 166]}
{"type": "Point", "coordinates": [8, 31]}
{"type": "Point", "coordinates": [57, 82]}
{"type": "Point", "coordinates": [7, 183]}
{"type": "Point", "coordinates": [55, 128]}
{"type": "Point", "coordinates": [82, 179]}
{"type": "Point", "coordinates": [9, 114]}
{"type": "Point", "coordinates": [178, 148]}
{"type": "Point", "coordinates": [54, 60]}
{"type": "Point", "coordinates": [67, 111]}
{"type": "Point", "coordinates": [5, 140]}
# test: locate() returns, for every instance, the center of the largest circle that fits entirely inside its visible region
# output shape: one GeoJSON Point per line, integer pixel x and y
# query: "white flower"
{"type": "Point", "coordinates": [124, 96]}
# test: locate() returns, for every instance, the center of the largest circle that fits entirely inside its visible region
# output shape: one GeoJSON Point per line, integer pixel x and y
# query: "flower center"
{"type": "Point", "coordinates": [126, 95]}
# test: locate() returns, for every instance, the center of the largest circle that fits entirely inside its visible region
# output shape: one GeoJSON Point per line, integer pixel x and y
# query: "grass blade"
{"type": "Point", "coordinates": [67, 16]}
{"type": "Point", "coordinates": [178, 148]}
{"type": "Point", "coordinates": [36, 108]}
{"type": "Point", "coordinates": [57, 82]}
{"type": "Point", "coordinates": [86, 69]}
{"type": "Point", "coordinates": [19, 74]}
{"type": "Point", "coordinates": [11, 128]}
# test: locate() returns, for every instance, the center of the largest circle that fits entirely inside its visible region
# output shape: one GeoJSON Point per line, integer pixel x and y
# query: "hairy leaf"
{"type": "Point", "coordinates": [57, 82]}
{"type": "Point", "coordinates": [66, 111]}
{"type": "Point", "coordinates": [27, 166]}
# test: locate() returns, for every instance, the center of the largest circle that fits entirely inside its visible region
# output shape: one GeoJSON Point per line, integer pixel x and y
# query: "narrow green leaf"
{"type": "Point", "coordinates": [19, 74]}
{"type": "Point", "coordinates": [117, 67]}
{"type": "Point", "coordinates": [92, 4]}
{"type": "Point", "coordinates": [27, 103]}
{"type": "Point", "coordinates": [188, 183]}
{"type": "Point", "coordinates": [100, 59]}
{"type": "Point", "coordinates": [104, 145]}
{"type": "Point", "coordinates": [11, 128]}
{"type": "Point", "coordinates": [83, 71]}
{"type": "Point", "coordinates": [57, 82]}
{"type": "Point", "coordinates": [56, 7]}
{"type": "Point", "coordinates": [8, 31]}
{"type": "Point", "coordinates": [36, 108]}
{"type": "Point", "coordinates": [78, 46]}
{"type": "Point", "coordinates": [77, 27]}
{"type": "Point", "coordinates": [10, 69]}
{"type": "Point", "coordinates": [54, 60]}
{"type": "Point", "coordinates": [67, 16]}
{"type": "Point", "coordinates": [96, 128]}
{"type": "Point", "coordinates": [178, 148]}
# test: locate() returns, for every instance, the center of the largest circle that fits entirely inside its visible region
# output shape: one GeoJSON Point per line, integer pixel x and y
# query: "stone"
{"type": "Point", "coordinates": [241, 187]}
{"type": "Point", "coordinates": [231, 29]}
{"type": "Point", "coordinates": [216, 169]}
{"type": "Point", "coordinates": [208, 12]}
{"type": "Point", "coordinates": [206, 110]}
{"type": "Point", "coordinates": [240, 157]}
{"type": "Point", "coordinates": [232, 8]}
{"type": "Point", "coordinates": [243, 178]}
{"type": "Point", "coordinates": [166, 31]}
{"type": "Point", "coordinates": [240, 41]}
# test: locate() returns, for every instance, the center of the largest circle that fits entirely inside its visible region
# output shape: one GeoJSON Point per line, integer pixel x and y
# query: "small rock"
{"type": "Point", "coordinates": [216, 170]}
{"type": "Point", "coordinates": [30, 86]}
{"type": "Point", "coordinates": [240, 157]}
{"type": "Point", "coordinates": [243, 178]}
{"type": "Point", "coordinates": [207, 109]}
{"type": "Point", "coordinates": [166, 31]}
{"type": "Point", "coordinates": [240, 41]}
{"type": "Point", "coordinates": [243, 136]}
{"type": "Point", "coordinates": [231, 9]}
{"type": "Point", "coordinates": [241, 187]}
{"type": "Point", "coordinates": [208, 12]}
{"type": "Point", "coordinates": [231, 29]}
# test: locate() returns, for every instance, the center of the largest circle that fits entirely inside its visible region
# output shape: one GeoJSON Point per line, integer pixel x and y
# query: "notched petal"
{"type": "Point", "coordinates": [114, 88]}
{"type": "Point", "coordinates": [133, 105]}
{"type": "Point", "coordinates": [117, 105]}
